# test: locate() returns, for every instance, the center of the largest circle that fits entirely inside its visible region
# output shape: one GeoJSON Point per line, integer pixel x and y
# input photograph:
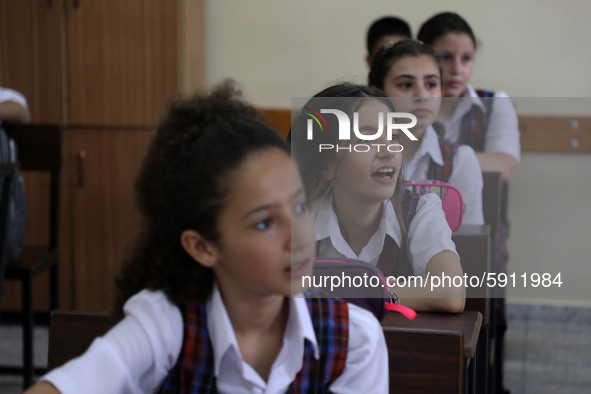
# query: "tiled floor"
{"type": "Point", "coordinates": [547, 350]}
{"type": "Point", "coordinates": [11, 354]}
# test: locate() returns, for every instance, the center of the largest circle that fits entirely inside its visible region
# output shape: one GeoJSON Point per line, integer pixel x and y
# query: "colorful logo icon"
{"type": "Point", "coordinates": [315, 115]}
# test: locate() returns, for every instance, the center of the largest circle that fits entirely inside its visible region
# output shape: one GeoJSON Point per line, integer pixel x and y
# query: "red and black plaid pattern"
{"type": "Point", "coordinates": [330, 317]}
{"type": "Point", "coordinates": [443, 173]}
{"type": "Point", "coordinates": [194, 369]}
{"type": "Point", "coordinates": [475, 122]}
{"type": "Point", "coordinates": [193, 372]}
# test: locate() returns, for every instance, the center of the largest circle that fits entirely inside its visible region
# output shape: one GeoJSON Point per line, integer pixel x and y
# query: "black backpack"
{"type": "Point", "coordinates": [18, 202]}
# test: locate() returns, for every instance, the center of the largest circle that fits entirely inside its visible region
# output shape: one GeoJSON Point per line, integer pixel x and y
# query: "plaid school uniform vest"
{"type": "Point", "coordinates": [443, 173]}
{"type": "Point", "coordinates": [474, 127]}
{"type": "Point", "coordinates": [194, 369]}
{"type": "Point", "coordinates": [391, 260]}
{"type": "Point", "coordinates": [475, 122]}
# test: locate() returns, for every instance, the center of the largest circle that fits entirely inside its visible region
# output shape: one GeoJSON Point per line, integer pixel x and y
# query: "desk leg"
{"type": "Point", "coordinates": [481, 360]}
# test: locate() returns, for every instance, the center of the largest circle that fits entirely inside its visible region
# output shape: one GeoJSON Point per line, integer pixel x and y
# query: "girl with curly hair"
{"type": "Point", "coordinates": [208, 291]}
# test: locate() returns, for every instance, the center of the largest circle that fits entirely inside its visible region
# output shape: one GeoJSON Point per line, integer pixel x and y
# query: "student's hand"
{"type": "Point", "coordinates": [498, 162]}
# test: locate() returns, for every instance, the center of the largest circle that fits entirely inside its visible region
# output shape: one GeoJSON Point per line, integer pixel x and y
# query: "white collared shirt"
{"type": "Point", "coordinates": [466, 174]}
{"type": "Point", "coordinates": [428, 233]}
{"type": "Point", "coordinates": [502, 135]}
{"type": "Point", "coordinates": [136, 355]}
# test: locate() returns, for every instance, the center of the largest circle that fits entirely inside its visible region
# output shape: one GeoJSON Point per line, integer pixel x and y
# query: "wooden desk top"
{"type": "Point", "coordinates": [473, 230]}
{"type": "Point", "coordinates": [467, 322]}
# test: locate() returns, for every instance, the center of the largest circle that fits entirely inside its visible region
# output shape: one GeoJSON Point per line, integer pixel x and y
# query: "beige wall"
{"type": "Point", "coordinates": [280, 49]}
{"type": "Point", "coordinates": [530, 48]}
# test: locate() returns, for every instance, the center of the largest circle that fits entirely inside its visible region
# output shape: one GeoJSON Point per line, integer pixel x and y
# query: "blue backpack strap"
{"type": "Point", "coordinates": [443, 173]}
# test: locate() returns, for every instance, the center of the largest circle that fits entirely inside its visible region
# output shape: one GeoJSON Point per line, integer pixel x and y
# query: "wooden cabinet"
{"type": "Point", "coordinates": [103, 214]}
{"type": "Point", "coordinates": [31, 55]}
{"type": "Point", "coordinates": [122, 60]}
{"type": "Point", "coordinates": [102, 69]}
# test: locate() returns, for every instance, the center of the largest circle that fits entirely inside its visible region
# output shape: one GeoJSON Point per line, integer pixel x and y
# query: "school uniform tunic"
{"type": "Point", "coordinates": [428, 233]}
{"type": "Point", "coordinates": [502, 132]}
{"type": "Point", "coordinates": [466, 174]}
{"type": "Point", "coordinates": [138, 353]}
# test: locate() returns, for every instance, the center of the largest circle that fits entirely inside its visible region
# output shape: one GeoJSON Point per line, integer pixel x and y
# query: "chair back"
{"type": "Point", "coordinates": [40, 149]}
{"type": "Point", "coordinates": [7, 174]}
{"type": "Point", "coordinates": [72, 332]}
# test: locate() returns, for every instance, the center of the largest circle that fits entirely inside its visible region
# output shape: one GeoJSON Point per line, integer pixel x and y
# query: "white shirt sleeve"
{"type": "Point", "coordinates": [428, 233]}
{"type": "Point", "coordinates": [466, 176]}
{"type": "Point", "coordinates": [367, 356]}
{"type": "Point", "coordinates": [502, 135]}
{"type": "Point", "coordinates": [133, 357]}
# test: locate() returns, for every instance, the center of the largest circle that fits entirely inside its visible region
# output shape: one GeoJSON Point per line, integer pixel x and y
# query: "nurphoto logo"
{"type": "Point", "coordinates": [345, 129]}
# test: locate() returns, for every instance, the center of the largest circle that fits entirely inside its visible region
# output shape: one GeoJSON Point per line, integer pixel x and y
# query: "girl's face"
{"type": "Point", "coordinates": [416, 82]}
{"type": "Point", "coordinates": [457, 56]}
{"type": "Point", "coordinates": [267, 235]}
{"type": "Point", "coordinates": [367, 177]}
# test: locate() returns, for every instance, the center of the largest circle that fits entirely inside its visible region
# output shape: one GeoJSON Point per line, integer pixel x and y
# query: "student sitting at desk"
{"type": "Point", "coordinates": [409, 73]}
{"type": "Point", "coordinates": [207, 290]}
{"type": "Point", "coordinates": [485, 120]}
{"type": "Point", "coordinates": [359, 208]}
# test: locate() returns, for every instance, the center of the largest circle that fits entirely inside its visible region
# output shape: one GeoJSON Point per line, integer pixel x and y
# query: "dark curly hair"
{"type": "Point", "coordinates": [183, 183]}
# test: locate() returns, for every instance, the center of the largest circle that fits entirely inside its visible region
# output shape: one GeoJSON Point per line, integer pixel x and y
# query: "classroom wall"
{"type": "Point", "coordinates": [277, 50]}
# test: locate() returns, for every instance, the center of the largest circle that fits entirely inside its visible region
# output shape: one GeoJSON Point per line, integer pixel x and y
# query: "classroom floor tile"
{"type": "Point", "coordinates": [548, 350]}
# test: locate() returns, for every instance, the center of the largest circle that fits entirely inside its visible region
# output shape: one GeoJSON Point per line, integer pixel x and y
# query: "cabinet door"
{"type": "Point", "coordinates": [123, 60]}
{"type": "Point", "coordinates": [31, 61]}
{"type": "Point", "coordinates": [104, 216]}
{"type": "Point", "coordinates": [31, 55]}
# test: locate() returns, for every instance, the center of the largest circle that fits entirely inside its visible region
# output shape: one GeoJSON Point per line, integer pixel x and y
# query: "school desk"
{"type": "Point", "coordinates": [432, 352]}
{"type": "Point", "coordinates": [473, 246]}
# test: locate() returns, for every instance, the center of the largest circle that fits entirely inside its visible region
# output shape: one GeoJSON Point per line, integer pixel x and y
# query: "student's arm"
{"type": "Point", "coordinates": [443, 298]}
{"type": "Point", "coordinates": [134, 356]}
{"type": "Point", "coordinates": [432, 253]}
{"type": "Point", "coordinates": [502, 149]}
{"type": "Point", "coordinates": [366, 370]}
{"type": "Point", "coordinates": [13, 112]}
{"type": "Point", "coordinates": [498, 162]}
{"type": "Point", "coordinates": [467, 177]}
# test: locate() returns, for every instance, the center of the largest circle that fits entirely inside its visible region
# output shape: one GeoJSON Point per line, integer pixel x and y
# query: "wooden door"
{"type": "Point", "coordinates": [31, 62]}
{"type": "Point", "coordinates": [31, 55]}
{"type": "Point", "coordinates": [122, 60]}
{"type": "Point", "coordinates": [104, 165]}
